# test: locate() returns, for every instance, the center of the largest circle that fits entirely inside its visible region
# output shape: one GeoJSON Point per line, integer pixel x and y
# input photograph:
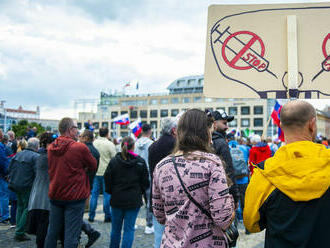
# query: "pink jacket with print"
{"type": "Point", "coordinates": [185, 225]}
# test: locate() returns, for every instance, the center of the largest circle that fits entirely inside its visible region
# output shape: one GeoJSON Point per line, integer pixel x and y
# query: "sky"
{"type": "Point", "coordinates": [53, 52]}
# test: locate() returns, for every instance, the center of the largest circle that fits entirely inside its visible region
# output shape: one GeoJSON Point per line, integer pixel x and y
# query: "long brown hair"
{"type": "Point", "coordinates": [126, 144]}
{"type": "Point", "coordinates": [193, 132]}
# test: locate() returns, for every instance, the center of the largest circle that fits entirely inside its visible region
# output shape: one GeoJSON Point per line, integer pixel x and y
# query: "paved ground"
{"type": "Point", "coordinates": [141, 240]}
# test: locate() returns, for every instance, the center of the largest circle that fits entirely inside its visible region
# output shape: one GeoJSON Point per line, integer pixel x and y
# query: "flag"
{"type": "Point", "coordinates": [276, 119]}
{"type": "Point", "coordinates": [136, 127]}
{"type": "Point", "coordinates": [137, 85]}
{"type": "Point", "coordinates": [127, 85]}
{"type": "Point", "coordinates": [121, 120]}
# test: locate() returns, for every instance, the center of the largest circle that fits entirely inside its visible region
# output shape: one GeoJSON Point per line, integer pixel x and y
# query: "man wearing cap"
{"type": "Point", "coordinates": [220, 145]}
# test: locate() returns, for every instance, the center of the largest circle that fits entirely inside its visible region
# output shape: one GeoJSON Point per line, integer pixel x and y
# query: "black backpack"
{"type": "Point", "coordinates": [239, 165]}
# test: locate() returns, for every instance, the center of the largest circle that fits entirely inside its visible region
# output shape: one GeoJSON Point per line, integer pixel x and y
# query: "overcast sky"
{"type": "Point", "coordinates": [52, 52]}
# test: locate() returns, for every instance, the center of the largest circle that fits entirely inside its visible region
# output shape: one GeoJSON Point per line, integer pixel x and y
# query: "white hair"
{"type": "Point", "coordinates": [256, 138]}
{"type": "Point", "coordinates": [33, 144]}
{"type": "Point", "coordinates": [167, 124]}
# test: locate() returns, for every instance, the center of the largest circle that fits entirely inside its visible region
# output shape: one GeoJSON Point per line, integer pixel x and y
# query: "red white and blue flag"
{"type": "Point", "coordinates": [136, 127]}
{"type": "Point", "coordinates": [276, 119]}
{"type": "Point", "coordinates": [122, 119]}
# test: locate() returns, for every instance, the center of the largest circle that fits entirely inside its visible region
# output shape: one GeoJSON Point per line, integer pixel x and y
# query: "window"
{"type": "Point", "coordinates": [143, 113]}
{"type": "Point", "coordinates": [233, 123]}
{"type": "Point", "coordinates": [258, 110]}
{"type": "Point", "coordinates": [123, 126]}
{"type": "Point", "coordinates": [175, 100]}
{"type": "Point", "coordinates": [133, 114]}
{"type": "Point", "coordinates": [153, 124]}
{"type": "Point", "coordinates": [123, 112]}
{"type": "Point", "coordinates": [79, 125]}
{"type": "Point", "coordinates": [221, 108]}
{"type": "Point", "coordinates": [143, 122]}
{"type": "Point", "coordinates": [200, 82]}
{"type": "Point", "coordinates": [154, 113]}
{"type": "Point", "coordinates": [191, 81]}
{"type": "Point", "coordinates": [209, 109]}
{"type": "Point", "coordinates": [113, 125]}
{"type": "Point", "coordinates": [105, 124]}
{"type": "Point", "coordinates": [245, 110]}
{"type": "Point", "coordinates": [114, 114]}
{"type": "Point", "coordinates": [164, 101]}
{"type": "Point", "coordinates": [179, 82]}
{"type": "Point", "coordinates": [258, 122]}
{"type": "Point", "coordinates": [96, 125]}
{"type": "Point", "coordinates": [186, 100]}
{"type": "Point", "coordinates": [245, 122]}
{"type": "Point", "coordinates": [164, 113]}
{"type": "Point", "coordinates": [123, 134]}
{"type": "Point", "coordinates": [207, 99]}
{"type": "Point", "coordinates": [232, 110]}
{"type": "Point", "coordinates": [153, 101]}
{"type": "Point", "coordinates": [258, 132]}
{"type": "Point", "coordinates": [197, 99]}
{"type": "Point", "coordinates": [174, 112]}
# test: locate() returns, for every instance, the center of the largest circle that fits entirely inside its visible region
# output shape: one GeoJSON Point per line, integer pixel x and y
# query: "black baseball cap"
{"type": "Point", "coordinates": [222, 115]}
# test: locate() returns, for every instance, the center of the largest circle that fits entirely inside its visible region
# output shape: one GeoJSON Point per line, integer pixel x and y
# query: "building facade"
{"type": "Point", "coordinates": [184, 93]}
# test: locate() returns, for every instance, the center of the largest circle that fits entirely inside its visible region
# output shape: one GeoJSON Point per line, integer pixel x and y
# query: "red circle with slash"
{"type": "Point", "coordinates": [254, 38]}
{"type": "Point", "coordinates": [324, 46]}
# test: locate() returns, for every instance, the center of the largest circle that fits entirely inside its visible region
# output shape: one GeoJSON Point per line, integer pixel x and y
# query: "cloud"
{"type": "Point", "coordinates": [52, 52]}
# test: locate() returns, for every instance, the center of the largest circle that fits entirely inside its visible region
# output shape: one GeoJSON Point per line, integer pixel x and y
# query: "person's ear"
{"type": "Point", "coordinates": [312, 125]}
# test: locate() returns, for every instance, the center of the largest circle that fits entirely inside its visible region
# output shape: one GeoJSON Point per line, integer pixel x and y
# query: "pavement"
{"type": "Point", "coordinates": [141, 240]}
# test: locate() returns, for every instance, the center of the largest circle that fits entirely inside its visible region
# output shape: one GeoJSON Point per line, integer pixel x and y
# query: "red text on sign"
{"type": "Point", "coordinates": [256, 61]}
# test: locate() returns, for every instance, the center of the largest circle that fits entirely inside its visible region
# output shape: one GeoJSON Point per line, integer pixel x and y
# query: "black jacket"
{"type": "Point", "coordinates": [126, 180]}
{"type": "Point", "coordinates": [22, 170]}
{"type": "Point", "coordinates": [222, 150]}
{"type": "Point", "coordinates": [96, 155]}
{"type": "Point", "coordinates": [157, 151]}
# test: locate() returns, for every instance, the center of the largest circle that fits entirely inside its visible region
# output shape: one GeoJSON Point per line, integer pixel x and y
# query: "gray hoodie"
{"type": "Point", "coordinates": [141, 148]}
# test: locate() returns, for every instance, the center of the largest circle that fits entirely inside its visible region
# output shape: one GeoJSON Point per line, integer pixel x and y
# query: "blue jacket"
{"type": "Point", "coordinates": [4, 161]}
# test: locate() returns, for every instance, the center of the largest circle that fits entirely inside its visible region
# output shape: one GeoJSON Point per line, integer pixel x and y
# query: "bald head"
{"type": "Point", "coordinates": [296, 114]}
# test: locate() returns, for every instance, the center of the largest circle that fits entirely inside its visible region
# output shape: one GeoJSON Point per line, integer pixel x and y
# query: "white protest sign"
{"type": "Point", "coordinates": [268, 51]}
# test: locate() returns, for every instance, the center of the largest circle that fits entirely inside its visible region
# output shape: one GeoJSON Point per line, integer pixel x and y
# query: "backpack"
{"type": "Point", "coordinates": [239, 165]}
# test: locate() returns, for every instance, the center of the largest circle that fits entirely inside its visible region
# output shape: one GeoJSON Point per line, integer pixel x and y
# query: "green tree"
{"type": "Point", "coordinates": [21, 128]}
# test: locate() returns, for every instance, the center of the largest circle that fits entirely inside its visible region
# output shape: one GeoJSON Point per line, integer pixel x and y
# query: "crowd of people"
{"type": "Point", "coordinates": [197, 182]}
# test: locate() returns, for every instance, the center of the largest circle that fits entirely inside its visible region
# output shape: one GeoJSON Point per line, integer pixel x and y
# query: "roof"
{"type": "Point", "coordinates": [325, 114]}
{"type": "Point", "coordinates": [187, 82]}
{"type": "Point", "coordinates": [21, 111]}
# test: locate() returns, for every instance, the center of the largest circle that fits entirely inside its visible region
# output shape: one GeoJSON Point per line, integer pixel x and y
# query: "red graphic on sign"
{"type": "Point", "coordinates": [326, 63]}
{"type": "Point", "coordinates": [324, 46]}
{"type": "Point", "coordinates": [246, 53]}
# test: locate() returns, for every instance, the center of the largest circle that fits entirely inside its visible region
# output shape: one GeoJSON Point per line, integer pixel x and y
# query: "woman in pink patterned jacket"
{"type": "Point", "coordinates": [204, 178]}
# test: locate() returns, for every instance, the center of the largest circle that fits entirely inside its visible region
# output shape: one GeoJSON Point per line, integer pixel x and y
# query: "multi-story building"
{"type": "Point", "coordinates": [10, 116]}
{"type": "Point", "coordinates": [323, 122]}
{"type": "Point", "coordinates": [184, 93]}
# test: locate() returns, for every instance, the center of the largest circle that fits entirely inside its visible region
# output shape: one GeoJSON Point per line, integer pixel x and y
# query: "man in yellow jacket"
{"type": "Point", "coordinates": [289, 193]}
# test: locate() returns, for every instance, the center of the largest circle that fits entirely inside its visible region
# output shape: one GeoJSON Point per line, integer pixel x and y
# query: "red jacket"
{"type": "Point", "coordinates": [68, 162]}
{"type": "Point", "coordinates": [259, 153]}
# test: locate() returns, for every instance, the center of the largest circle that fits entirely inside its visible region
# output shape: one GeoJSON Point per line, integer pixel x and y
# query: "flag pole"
{"type": "Point", "coordinates": [265, 129]}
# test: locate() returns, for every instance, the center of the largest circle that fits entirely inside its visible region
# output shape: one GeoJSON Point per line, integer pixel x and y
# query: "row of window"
{"type": "Point", "coordinates": [257, 110]}
{"type": "Point", "coordinates": [245, 122]}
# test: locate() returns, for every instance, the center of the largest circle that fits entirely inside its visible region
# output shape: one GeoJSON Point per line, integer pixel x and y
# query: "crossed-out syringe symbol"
{"type": "Point", "coordinates": [245, 53]}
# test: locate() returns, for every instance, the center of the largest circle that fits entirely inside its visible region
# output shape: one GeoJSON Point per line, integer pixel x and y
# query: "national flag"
{"type": "Point", "coordinates": [136, 127]}
{"type": "Point", "coordinates": [276, 113]}
{"type": "Point", "coordinates": [276, 119]}
{"type": "Point", "coordinates": [122, 119]}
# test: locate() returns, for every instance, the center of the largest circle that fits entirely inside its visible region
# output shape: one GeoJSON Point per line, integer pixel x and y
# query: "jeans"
{"type": "Point", "coordinates": [128, 216]}
{"type": "Point", "coordinates": [97, 184]}
{"type": "Point", "coordinates": [158, 232]}
{"type": "Point", "coordinates": [148, 212]}
{"type": "Point", "coordinates": [22, 209]}
{"type": "Point", "coordinates": [67, 214]}
{"type": "Point", "coordinates": [4, 200]}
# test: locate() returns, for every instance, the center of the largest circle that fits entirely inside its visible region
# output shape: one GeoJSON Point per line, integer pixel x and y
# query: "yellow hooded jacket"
{"type": "Point", "coordinates": [283, 195]}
